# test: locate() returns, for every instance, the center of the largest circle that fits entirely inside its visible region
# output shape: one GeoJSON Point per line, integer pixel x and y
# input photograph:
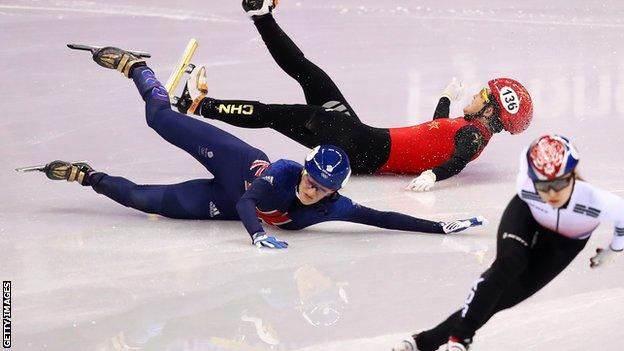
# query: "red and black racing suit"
{"type": "Point", "coordinates": [445, 145]}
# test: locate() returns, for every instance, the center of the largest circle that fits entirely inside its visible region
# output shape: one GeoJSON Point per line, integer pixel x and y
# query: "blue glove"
{"type": "Point", "coordinates": [463, 224]}
{"type": "Point", "coordinates": [261, 239]}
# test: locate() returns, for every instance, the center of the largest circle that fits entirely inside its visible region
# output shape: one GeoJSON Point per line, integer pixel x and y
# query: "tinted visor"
{"type": "Point", "coordinates": [556, 185]}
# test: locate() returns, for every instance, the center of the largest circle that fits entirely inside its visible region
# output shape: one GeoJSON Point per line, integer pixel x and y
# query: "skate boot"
{"type": "Point", "coordinates": [71, 172]}
{"type": "Point", "coordinates": [405, 345]}
{"type": "Point", "coordinates": [194, 91]}
{"type": "Point", "coordinates": [408, 344]}
{"type": "Point", "coordinates": [257, 8]}
{"type": "Point", "coordinates": [457, 344]}
{"type": "Point", "coordinates": [119, 59]}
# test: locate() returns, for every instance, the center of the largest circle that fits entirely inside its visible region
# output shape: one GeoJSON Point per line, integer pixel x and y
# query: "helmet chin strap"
{"type": "Point", "coordinates": [297, 187]}
{"type": "Point", "coordinates": [478, 114]}
{"type": "Point", "coordinates": [495, 124]}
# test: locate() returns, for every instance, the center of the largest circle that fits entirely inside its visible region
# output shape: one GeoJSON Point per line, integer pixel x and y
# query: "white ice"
{"type": "Point", "coordinates": [89, 274]}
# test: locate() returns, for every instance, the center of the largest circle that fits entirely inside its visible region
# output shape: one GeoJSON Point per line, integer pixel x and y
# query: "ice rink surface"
{"type": "Point", "coordinates": [89, 274]}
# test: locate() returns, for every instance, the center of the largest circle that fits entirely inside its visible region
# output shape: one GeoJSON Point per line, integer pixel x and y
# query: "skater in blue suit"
{"type": "Point", "coordinates": [246, 185]}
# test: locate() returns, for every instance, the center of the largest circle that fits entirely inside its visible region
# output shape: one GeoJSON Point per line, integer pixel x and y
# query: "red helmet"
{"type": "Point", "coordinates": [514, 104]}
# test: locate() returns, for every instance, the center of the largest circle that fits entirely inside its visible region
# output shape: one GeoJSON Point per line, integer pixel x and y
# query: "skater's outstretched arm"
{"type": "Point", "coordinates": [613, 210]}
{"type": "Point", "coordinates": [453, 92]}
{"type": "Point", "coordinates": [398, 221]}
{"type": "Point", "coordinates": [468, 142]}
{"type": "Point", "coordinates": [443, 108]}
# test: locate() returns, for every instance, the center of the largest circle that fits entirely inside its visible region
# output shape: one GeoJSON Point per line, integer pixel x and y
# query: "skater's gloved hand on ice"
{"type": "Point", "coordinates": [463, 224]}
{"type": "Point", "coordinates": [454, 91]}
{"type": "Point", "coordinates": [261, 239]}
{"type": "Point", "coordinates": [423, 182]}
{"type": "Point", "coordinates": [602, 257]}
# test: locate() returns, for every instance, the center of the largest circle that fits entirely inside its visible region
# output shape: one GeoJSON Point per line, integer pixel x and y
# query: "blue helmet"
{"type": "Point", "coordinates": [550, 157]}
{"type": "Point", "coordinates": [329, 166]}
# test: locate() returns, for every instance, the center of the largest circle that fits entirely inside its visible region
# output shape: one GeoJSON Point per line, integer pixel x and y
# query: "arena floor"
{"type": "Point", "coordinates": [89, 274]}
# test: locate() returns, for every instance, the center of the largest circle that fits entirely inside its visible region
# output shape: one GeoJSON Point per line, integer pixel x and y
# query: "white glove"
{"type": "Point", "coordinates": [454, 91]}
{"type": "Point", "coordinates": [463, 224]}
{"type": "Point", "coordinates": [602, 257]}
{"type": "Point", "coordinates": [423, 182]}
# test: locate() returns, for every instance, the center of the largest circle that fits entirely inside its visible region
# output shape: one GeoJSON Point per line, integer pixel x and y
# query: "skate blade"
{"type": "Point", "coordinates": [181, 67]}
{"type": "Point", "coordinates": [93, 48]}
{"type": "Point", "coordinates": [40, 168]}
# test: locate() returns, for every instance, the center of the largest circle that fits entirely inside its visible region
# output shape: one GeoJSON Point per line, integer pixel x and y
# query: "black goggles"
{"type": "Point", "coordinates": [556, 185]}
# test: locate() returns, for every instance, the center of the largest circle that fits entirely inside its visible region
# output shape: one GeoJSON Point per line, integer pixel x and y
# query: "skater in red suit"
{"type": "Point", "coordinates": [436, 150]}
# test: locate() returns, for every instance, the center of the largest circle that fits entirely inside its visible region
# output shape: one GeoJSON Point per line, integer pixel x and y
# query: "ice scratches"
{"type": "Point", "coordinates": [572, 322]}
{"type": "Point", "coordinates": [523, 21]}
{"type": "Point", "coordinates": [121, 10]}
{"type": "Point", "coordinates": [382, 342]}
{"type": "Point", "coordinates": [565, 323]}
{"type": "Point", "coordinates": [491, 15]}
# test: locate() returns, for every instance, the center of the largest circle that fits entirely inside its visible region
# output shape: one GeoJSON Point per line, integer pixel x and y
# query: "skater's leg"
{"type": "Point", "coordinates": [551, 254]}
{"type": "Point", "coordinates": [290, 120]}
{"type": "Point", "coordinates": [368, 148]}
{"type": "Point", "coordinates": [195, 199]}
{"type": "Point", "coordinates": [220, 152]}
{"type": "Point", "coordinates": [432, 339]}
{"type": "Point", "coordinates": [310, 125]}
{"type": "Point", "coordinates": [516, 233]}
{"type": "Point", "coordinates": [513, 253]}
{"type": "Point", "coordinates": [318, 87]}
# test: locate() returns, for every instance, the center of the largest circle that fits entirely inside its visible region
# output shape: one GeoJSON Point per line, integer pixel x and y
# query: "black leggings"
{"type": "Point", "coordinates": [327, 118]}
{"type": "Point", "coordinates": [528, 257]}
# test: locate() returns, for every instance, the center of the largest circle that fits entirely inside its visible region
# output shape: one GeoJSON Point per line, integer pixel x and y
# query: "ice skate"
{"type": "Point", "coordinates": [405, 345]}
{"type": "Point", "coordinates": [408, 344]}
{"type": "Point", "coordinates": [93, 49]}
{"type": "Point", "coordinates": [77, 171]}
{"type": "Point", "coordinates": [71, 172]}
{"type": "Point", "coordinates": [456, 344]}
{"type": "Point", "coordinates": [257, 8]}
{"type": "Point", "coordinates": [183, 66]}
{"type": "Point", "coordinates": [119, 59]}
{"type": "Point", "coordinates": [194, 91]}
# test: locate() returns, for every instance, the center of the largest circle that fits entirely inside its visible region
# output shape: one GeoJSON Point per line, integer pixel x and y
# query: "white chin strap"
{"type": "Point", "coordinates": [297, 193]}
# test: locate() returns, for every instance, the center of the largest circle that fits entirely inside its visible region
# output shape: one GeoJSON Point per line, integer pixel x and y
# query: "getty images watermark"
{"type": "Point", "coordinates": [6, 314]}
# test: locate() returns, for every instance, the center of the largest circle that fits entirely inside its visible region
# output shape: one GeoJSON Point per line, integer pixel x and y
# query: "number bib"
{"type": "Point", "coordinates": [509, 100]}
